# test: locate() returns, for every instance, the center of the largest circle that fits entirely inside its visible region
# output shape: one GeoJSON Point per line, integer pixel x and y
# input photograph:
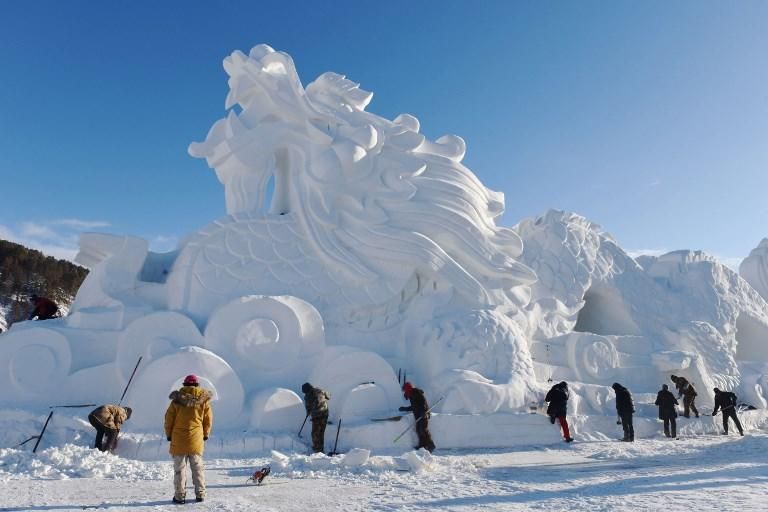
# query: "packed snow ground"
{"type": "Point", "coordinates": [709, 472]}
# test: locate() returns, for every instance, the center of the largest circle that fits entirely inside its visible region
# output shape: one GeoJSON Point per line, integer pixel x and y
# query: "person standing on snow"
{"type": "Point", "coordinates": [667, 410]}
{"type": "Point", "coordinates": [420, 409]}
{"type": "Point", "coordinates": [316, 405]}
{"type": "Point", "coordinates": [107, 421]}
{"type": "Point", "coordinates": [45, 309]}
{"type": "Point", "coordinates": [726, 401]}
{"type": "Point", "coordinates": [188, 422]}
{"type": "Point", "coordinates": [686, 390]}
{"type": "Point", "coordinates": [558, 407]}
{"type": "Point", "coordinates": [625, 408]}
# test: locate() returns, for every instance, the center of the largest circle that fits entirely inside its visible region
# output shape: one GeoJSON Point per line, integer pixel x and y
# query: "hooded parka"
{"type": "Point", "coordinates": [188, 420]}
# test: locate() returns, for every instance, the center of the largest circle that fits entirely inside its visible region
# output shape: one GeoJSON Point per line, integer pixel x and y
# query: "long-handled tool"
{"type": "Point", "coordinates": [336, 443]}
{"type": "Point", "coordinates": [40, 437]}
{"type": "Point", "coordinates": [303, 423]}
{"type": "Point", "coordinates": [417, 420]}
{"type": "Point", "coordinates": [129, 380]}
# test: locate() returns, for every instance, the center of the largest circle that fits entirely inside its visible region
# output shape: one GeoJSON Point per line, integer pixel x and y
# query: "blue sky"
{"type": "Point", "coordinates": [650, 118]}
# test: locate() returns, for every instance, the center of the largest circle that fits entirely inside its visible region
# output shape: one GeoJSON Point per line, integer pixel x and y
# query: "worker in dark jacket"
{"type": "Point", "coordinates": [667, 410]}
{"type": "Point", "coordinates": [726, 401]}
{"type": "Point", "coordinates": [558, 407]}
{"type": "Point", "coordinates": [45, 309]}
{"type": "Point", "coordinates": [420, 409]}
{"type": "Point", "coordinates": [107, 420]}
{"type": "Point", "coordinates": [316, 405]}
{"type": "Point", "coordinates": [625, 408]}
{"type": "Point", "coordinates": [686, 391]}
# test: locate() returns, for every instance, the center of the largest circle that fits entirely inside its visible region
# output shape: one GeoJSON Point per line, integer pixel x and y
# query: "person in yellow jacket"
{"type": "Point", "coordinates": [188, 422]}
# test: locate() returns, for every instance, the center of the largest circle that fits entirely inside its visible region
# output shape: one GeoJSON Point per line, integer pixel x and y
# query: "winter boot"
{"type": "Point", "coordinates": [568, 439]}
{"type": "Point", "coordinates": [178, 501]}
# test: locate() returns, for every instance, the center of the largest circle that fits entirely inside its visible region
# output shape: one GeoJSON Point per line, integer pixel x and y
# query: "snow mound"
{"type": "Point", "coordinates": [70, 461]}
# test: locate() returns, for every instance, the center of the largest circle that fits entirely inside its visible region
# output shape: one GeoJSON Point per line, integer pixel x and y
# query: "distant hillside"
{"type": "Point", "coordinates": [25, 271]}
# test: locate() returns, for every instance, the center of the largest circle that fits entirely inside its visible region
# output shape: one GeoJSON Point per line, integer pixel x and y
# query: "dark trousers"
{"type": "Point", "coordinates": [731, 413]}
{"type": "Point", "coordinates": [670, 422]}
{"type": "Point", "coordinates": [425, 438]}
{"type": "Point", "coordinates": [626, 424]}
{"type": "Point", "coordinates": [318, 432]}
{"type": "Point", "coordinates": [106, 438]}
{"type": "Point", "coordinates": [689, 406]}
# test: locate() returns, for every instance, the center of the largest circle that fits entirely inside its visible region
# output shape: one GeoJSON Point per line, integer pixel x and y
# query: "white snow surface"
{"type": "Point", "coordinates": [377, 251]}
{"type": "Point", "coordinates": [696, 472]}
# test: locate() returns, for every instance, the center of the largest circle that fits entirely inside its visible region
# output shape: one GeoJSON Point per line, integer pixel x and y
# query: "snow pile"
{"type": "Point", "coordinates": [70, 461]}
{"type": "Point", "coordinates": [378, 252]}
{"type": "Point", "coordinates": [359, 461]}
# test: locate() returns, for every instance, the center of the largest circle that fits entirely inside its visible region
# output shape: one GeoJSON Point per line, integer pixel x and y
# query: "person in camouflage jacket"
{"type": "Point", "coordinates": [316, 405]}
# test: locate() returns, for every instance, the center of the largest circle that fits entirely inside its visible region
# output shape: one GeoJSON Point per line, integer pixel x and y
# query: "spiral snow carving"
{"type": "Point", "coordinates": [37, 363]}
{"type": "Point", "coordinates": [593, 358]}
{"type": "Point", "coordinates": [267, 339]}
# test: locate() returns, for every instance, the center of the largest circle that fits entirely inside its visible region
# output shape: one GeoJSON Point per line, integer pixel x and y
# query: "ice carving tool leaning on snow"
{"type": "Point", "coordinates": [420, 410]}
{"type": "Point", "coordinates": [726, 401]}
{"type": "Point", "coordinates": [107, 421]}
{"type": "Point", "coordinates": [316, 405]}
{"type": "Point", "coordinates": [558, 407]}
{"type": "Point", "coordinates": [188, 422]}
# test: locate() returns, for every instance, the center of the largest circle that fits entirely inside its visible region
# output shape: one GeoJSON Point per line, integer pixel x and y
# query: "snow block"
{"type": "Point", "coordinates": [356, 457]}
{"type": "Point", "coordinates": [277, 410]}
{"type": "Point", "coordinates": [153, 336]}
{"type": "Point", "coordinates": [362, 384]}
{"type": "Point", "coordinates": [153, 383]}
{"type": "Point", "coordinates": [106, 300]}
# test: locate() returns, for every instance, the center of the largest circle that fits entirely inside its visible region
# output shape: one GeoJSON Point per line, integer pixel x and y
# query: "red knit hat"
{"type": "Point", "coordinates": [407, 390]}
{"type": "Point", "coordinates": [190, 380]}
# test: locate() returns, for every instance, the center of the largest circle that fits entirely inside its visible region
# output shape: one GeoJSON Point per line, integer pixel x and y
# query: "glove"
{"type": "Point", "coordinates": [169, 438]}
{"type": "Point", "coordinates": [205, 438]}
{"type": "Point", "coordinates": [403, 409]}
